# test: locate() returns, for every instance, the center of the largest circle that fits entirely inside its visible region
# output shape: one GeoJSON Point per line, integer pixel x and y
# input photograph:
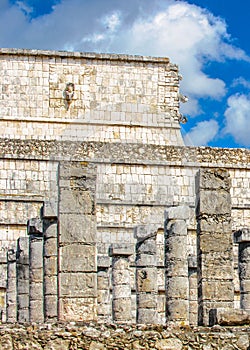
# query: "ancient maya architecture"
{"type": "Point", "coordinates": [105, 214]}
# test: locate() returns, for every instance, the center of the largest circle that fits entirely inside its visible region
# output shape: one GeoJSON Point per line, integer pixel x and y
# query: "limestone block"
{"type": "Point", "coordinates": [23, 286]}
{"type": "Point", "coordinates": [77, 228]}
{"type": "Point", "coordinates": [77, 309]}
{"type": "Point", "coordinates": [122, 309]}
{"type": "Point", "coordinates": [219, 224]}
{"type": "Point", "coordinates": [147, 247]}
{"type": "Point", "coordinates": [36, 311]}
{"type": "Point", "coordinates": [50, 285]}
{"type": "Point", "coordinates": [77, 284]}
{"type": "Point", "coordinates": [36, 290]}
{"type": "Point", "coordinates": [216, 266]}
{"type": "Point", "coordinates": [36, 274]}
{"type": "Point", "coordinates": [176, 267]}
{"type": "Point", "coordinates": [177, 309]}
{"type": "Point", "coordinates": [121, 249]}
{"type": "Point", "coordinates": [214, 202]}
{"type": "Point", "coordinates": [50, 265]}
{"type": "Point", "coordinates": [149, 316]}
{"type": "Point", "coordinates": [176, 228]}
{"type": "Point", "coordinates": [23, 315]}
{"type": "Point", "coordinates": [50, 247]}
{"type": "Point", "coordinates": [181, 212]}
{"type": "Point", "coordinates": [78, 258]}
{"type": "Point", "coordinates": [76, 201]}
{"type": "Point", "coordinates": [36, 251]}
{"type": "Point", "coordinates": [103, 261]}
{"type": "Point", "coordinates": [121, 291]}
{"type": "Point", "coordinates": [176, 248]}
{"type": "Point", "coordinates": [50, 209]}
{"type": "Point", "coordinates": [23, 301]}
{"type": "Point", "coordinates": [103, 281]}
{"type": "Point", "coordinates": [119, 263]}
{"type": "Point", "coordinates": [146, 279]}
{"type": "Point", "coordinates": [143, 232]}
{"type": "Point", "coordinates": [120, 277]}
{"type": "Point", "coordinates": [245, 300]}
{"type": "Point", "coordinates": [212, 290]}
{"type": "Point", "coordinates": [51, 230]}
{"type": "Point", "coordinates": [214, 179]}
{"type": "Point", "coordinates": [104, 309]}
{"type": "Point", "coordinates": [50, 306]}
{"type": "Point", "coordinates": [229, 317]}
{"type": "Point", "coordinates": [177, 287]}
{"type": "Point", "coordinates": [168, 344]}
{"type": "Point", "coordinates": [146, 260]}
{"type": "Point", "coordinates": [216, 243]}
{"type": "Point", "coordinates": [103, 296]}
{"type": "Point", "coordinates": [147, 301]}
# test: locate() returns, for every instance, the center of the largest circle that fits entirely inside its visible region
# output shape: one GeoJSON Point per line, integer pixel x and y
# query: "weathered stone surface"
{"type": "Point", "coordinates": [179, 213]}
{"type": "Point", "coordinates": [77, 228]}
{"type": "Point", "coordinates": [78, 258]}
{"type": "Point", "coordinates": [76, 201]}
{"type": "Point", "coordinates": [230, 317]}
{"type": "Point", "coordinates": [121, 249]}
{"type": "Point", "coordinates": [77, 309]}
{"type": "Point", "coordinates": [146, 278]}
{"type": "Point", "coordinates": [77, 284]}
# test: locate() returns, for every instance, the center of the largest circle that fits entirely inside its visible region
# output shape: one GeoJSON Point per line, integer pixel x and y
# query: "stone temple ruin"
{"type": "Point", "coordinates": [105, 214]}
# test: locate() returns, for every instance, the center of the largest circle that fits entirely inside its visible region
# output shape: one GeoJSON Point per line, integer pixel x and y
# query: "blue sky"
{"type": "Point", "coordinates": [208, 39]}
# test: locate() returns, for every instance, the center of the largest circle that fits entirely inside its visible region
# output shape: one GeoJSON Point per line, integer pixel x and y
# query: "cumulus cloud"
{"type": "Point", "coordinates": [237, 118]}
{"type": "Point", "coordinates": [202, 133]}
{"type": "Point", "coordinates": [241, 81]}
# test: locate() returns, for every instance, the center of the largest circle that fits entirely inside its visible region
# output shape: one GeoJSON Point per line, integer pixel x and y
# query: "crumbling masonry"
{"type": "Point", "coordinates": [105, 215]}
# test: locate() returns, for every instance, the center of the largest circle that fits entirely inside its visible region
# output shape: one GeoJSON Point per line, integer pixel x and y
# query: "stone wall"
{"type": "Point", "coordinates": [129, 337]}
{"type": "Point", "coordinates": [91, 149]}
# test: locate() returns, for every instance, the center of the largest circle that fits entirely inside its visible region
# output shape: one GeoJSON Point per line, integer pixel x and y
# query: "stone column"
{"type": "Point", "coordinates": [121, 282]}
{"type": "Point", "coordinates": [77, 242]}
{"type": "Point", "coordinates": [193, 290]}
{"type": "Point", "coordinates": [11, 296]}
{"type": "Point", "coordinates": [146, 274]}
{"type": "Point", "coordinates": [177, 284]}
{"type": "Point", "coordinates": [214, 243]}
{"type": "Point", "coordinates": [35, 232]}
{"type": "Point", "coordinates": [243, 238]}
{"type": "Point", "coordinates": [50, 261]}
{"type": "Point", "coordinates": [22, 279]}
{"type": "Point", "coordinates": [104, 310]}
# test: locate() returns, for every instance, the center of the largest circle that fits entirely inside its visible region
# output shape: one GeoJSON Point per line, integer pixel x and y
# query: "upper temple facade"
{"type": "Point", "coordinates": [105, 214]}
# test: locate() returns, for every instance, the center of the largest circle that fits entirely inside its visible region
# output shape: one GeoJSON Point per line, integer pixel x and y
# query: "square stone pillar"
{"type": "Point", "coordinates": [214, 242]}
{"type": "Point", "coordinates": [104, 309]}
{"type": "Point", "coordinates": [50, 260]}
{"type": "Point", "coordinates": [77, 286]}
{"type": "Point", "coordinates": [11, 296]}
{"type": "Point", "coordinates": [242, 237]}
{"type": "Point", "coordinates": [35, 232]}
{"type": "Point", "coordinates": [22, 265]}
{"type": "Point", "coordinates": [121, 285]}
{"type": "Point", "coordinates": [176, 262]}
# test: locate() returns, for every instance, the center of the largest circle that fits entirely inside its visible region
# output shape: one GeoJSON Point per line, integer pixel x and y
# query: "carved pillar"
{"type": "Point", "coordinates": [50, 261]}
{"type": "Point", "coordinates": [35, 232]}
{"type": "Point", "coordinates": [177, 284]}
{"type": "Point", "coordinates": [214, 243]}
{"type": "Point", "coordinates": [146, 274]}
{"type": "Point", "coordinates": [11, 296]}
{"type": "Point", "coordinates": [242, 237]}
{"type": "Point", "coordinates": [104, 310]}
{"type": "Point", "coordinates": [23, 279]}
{"type": "Point", "coordinates": [77, 242]}
{"type": "Point", "coordinates": [121, 282]}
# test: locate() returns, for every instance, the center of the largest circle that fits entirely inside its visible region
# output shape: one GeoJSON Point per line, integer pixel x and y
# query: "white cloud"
{"type": "Point", "coordinates": [241, 82]}
{"type": "Point", "coordinates": [202, 133]}
{"type": "Point", "coordinates": [237, 118]}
